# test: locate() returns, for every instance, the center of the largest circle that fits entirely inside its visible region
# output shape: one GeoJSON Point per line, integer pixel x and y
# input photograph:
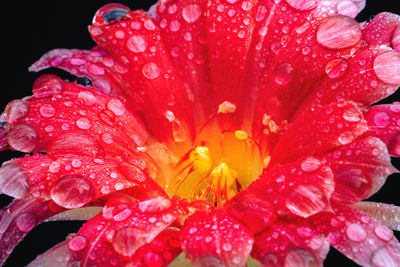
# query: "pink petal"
{"type": "Point", "coordinates": [387, 214]}
{"type": "Point", "coordinates": [290, 244]}
{"type": "Point", "coordinates": [215, 238]}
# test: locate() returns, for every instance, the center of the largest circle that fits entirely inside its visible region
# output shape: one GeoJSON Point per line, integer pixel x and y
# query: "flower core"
{"type": "Point", "coordinates": [221, 164]}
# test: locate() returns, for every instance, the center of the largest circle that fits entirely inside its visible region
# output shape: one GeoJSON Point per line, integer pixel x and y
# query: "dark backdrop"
{"type": "Point", "coordinates": [30, 28]}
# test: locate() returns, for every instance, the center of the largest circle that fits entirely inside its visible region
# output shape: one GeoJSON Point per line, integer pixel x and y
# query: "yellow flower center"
{"type": "Point", "coordinates": [221, 164]}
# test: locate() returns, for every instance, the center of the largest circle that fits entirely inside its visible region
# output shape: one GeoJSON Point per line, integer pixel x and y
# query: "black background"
{"type": "Point", "coordinates": [30, 28]}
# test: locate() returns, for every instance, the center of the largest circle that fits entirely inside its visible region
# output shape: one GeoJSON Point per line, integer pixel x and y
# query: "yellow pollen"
{"type": "Point", "coordinates": [241, 135]}
{"type": "Point", "coordinates": [219, 167]}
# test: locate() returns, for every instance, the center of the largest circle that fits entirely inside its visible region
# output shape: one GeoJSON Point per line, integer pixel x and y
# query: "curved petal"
{"type": "Point", "coordinates": [383, 123]}
{"type": "Point", "coordinates": [320, 130]}
{"type": "Point", "coordinates": [116, 236]}
{"type": "Point", "coordinates": [182, 27]}
{"type": "Point", "coordinates": [290, 244]}
{"type": "Point", "coordinates": [57, 256]}
{"type": "Point", "coordinates": [216, 239]}
{"type": "Point", "coordinates": [387, 214]}
{"type": "Point", "coordinates": [359, 237]}
{"type": "Point", "coordinates": [16, 220]}
{"type": "Point", "coordinates": [145, 65]}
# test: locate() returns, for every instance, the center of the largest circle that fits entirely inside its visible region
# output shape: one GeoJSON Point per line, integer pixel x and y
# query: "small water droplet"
{"type": "Point", "coordinates": [385, 256]}
{"type": "Point", "coordinates": [116, 106]}
{"type": "Point", "coordinates": [381, 119]}
{"type": "Point", "coordinates": [336, 68]}
{"type": "Point", "coordinates": [383, 232]}
{"type": "Point", "coordinates": [387, 67]}
{"type": "Point", "coordinates": [22, 137]}
{"type": "Point", "coordinates": [151, 70]}
{"type": "Point", "coordinates": [262, 13]}
{"type": "Point", "coordinates": [283, 73]}
{"type": "Point", "coordinates": [352, 115]}
{"type": "Point", "coordinates": [136, 44]}
{"type": "Point", "coordinates": [191, 13]}
{"type": "Point", "coordinates": [77, 243]}
{"type": "Point", "coordinates": [346, 138]}
{"type": "Point", "coordinates": [356, 232]}
{"type": "Point", "coordinates": [26, 221]}
{"type": "Point", "coordinates": [83, 123]}
{"type": "Point", "coordinates": [310, 164]}
{"type": "Point", "coordinates": [302, 5]}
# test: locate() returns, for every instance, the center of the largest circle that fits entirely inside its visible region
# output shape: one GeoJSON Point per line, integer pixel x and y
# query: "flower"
{"type": "Point", "coordinates": [220, 129]}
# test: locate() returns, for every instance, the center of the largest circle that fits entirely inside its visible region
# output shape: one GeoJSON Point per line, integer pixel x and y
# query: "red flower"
{"type": "Point", "coordinates": [220, 129]}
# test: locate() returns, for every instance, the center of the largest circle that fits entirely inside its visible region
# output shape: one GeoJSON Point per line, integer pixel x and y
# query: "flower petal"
{"type": "Point", "coordinates": [57, 256]}
{"type": "Point", "coordinates": [182, 26]}
{"type": "Point", "coordinates": [97, 65]}
{"type": "Point", "coordinates": [116, 235]}
{"type": "Point", "coordinates": [320, 130]}
{"type": "Point", "coordinates": [73, 181]}
{"type": "Point", "coordinates": [16, 220]}
{"type": "Point", "coordinates": [216, 239]}
{"type": "Point", "coordinates": [145, 65]}
{"type": "Point", "coordinates": [387, 214]}
{"type": "Point", "coordinates": [360, 238]}
{"type": "Point", "coordinates": [359, 168]}
{"type": "Point", "coordinates": [383, 122]}
{"type": "Point", "coordinates": [290, 244]}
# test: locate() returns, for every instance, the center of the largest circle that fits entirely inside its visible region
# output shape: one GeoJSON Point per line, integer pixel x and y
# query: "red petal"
{"type": "Point", "coordinates": [183, 32]}
{"type": "Point", "coordinates": [72, 181]}
{"type": "Point", "coordinates": [302, 188]}
{"type": "Point", "coordinates": [16, 220]}
{"type": "Point", "coordinates": [359, 169]}
{"type": "Point", "coordinates": [115, 236]}
{"type": "Point", "coordinates": [320, 130]}
{"type": "Point", "coordinates": [97, 65]}
{"type": "Point", "coordinates": [290, 244]}
{"type": "Point", "coordinates": [360, 237]}
{"type": "Point", "coordinates": [383, 122]}
{"type": "Point", "coordinates": [143, 62]}
{"type": "Point", "coordinates": [215, 238]}
{"type": "Point", "coordinates": [384, 29]}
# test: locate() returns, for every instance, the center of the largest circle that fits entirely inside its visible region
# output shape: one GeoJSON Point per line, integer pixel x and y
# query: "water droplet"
{"type": "Point", "coordinates": [383, 232]}
{"type": "Point", "coordinates": [107, 138]}
{"type": "Point", "coordinates": [13, 181]}
{"type": "Point", "coordinates": [352, 115]}
{"type": "Point", "coordinates": [22, 137]}
{"type": "Point", "coordinates": [310, 164]}
{"type": "Point", "coordinates": [262, 13]}
{"type": "Point", "coordinates": [156, 204]}
{"type": "Point", "coordinates": [385, 256]}
{"type": "Point", "coordinates": [174, 26]}
{"type": "Point", "coordinates": [246, 5]}
{"type": "Point", "coordinates": [26, 221]}
{"type": "Point", "coordinates": [227, 247]}
{"type": "Point", "coordinates": [338, 32]}
{"type": "Point", "coordinates": [302, 5]}
{"type": "Point", "coordinates": [300, 258]}
{"type": "Point", "coordinates": [305, 200]}
{"type": "Point", "coordinates": [96, 69]}
{"type": "Point", "coordinates": [116, 106]}
{"type": "Point", "coordinates": [136, 44]}
{"type": "Point", "coordinates": [348, 8]}
{"type": "Point", "coordinates": [72, 191]}
{"type": "Point", "coordinates": [122, 215]}
{"type": "Point", "coordinates": [124, 241]}
{"type": "Point", "coordinates": [47, 110]}
{"type": "Point", "coordinates": [16, 109]}
{"type": "Point", "coordinates": [387, 67]}
{"type": "Point", "coordinates": [192, 230]}
{"type": "Point", "coordinates": [346, 138]}
{"type": "Point", "coordinates": [356, 232]}
{"type": "Point", "coordinates": [83, 123]}
{"type": "Point", "coordinates": [191, 13]}
{"type": "Point", "coordinates": [153, 259]}
{"type": "Point", "coordinates": [232, 1]}
{"type": "Point", "coordinates": [381, 119]}
{"type": "Point", "coordinates": [77, 243]}
{"type": "Point", "coordinates": [283, 73]}
{"type": "Point", "coordinates": [336, 68]}
{"type": "Point", "coordinates": [151, 70]}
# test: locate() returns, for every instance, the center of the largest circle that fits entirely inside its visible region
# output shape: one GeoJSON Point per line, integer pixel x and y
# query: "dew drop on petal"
{"type": "Point", "coordinates": [26, 221]}
{"type": "Point", "coordinates": [387, 67]}
{"type": "Point", "coordinates": [283, 73]}
{"type": "Point", "coordinates": [22, 137]}
{"type": "Point", "coordinates": [150, 70]}
{"type": "Point", "coordinates": [300, 258]}
{"type": "Point", "coordinates": [77, 243]}
{"type": "Point", "coordinates": [156, 204]}
{"type": "Point", "coordinates": [302, 5]}
{"type": "Point", "coordinates": [88, 97]}
{"type": "Point", "coordinates": [191, 13]}
{"type": "Point", "coordinates": [16, 109]}
{"type": "Point", "coordinates": [136, 44]}
{"type": "Point", "coordinates": [381, 119]}
{"type": "Point", "coordinates": [13, 180]}
{"type": "Point", "coordinates": [72, 191]}
{"type": "Point", "coordinates": [347, 8]}
{"type": "Point", "coordinates": [356, 232]}
{"type": "Point", "coordinates": [383, 232]}
{"type": "Point", "coordinates": [346, 138]}
{"type": "Point", "coordinates": [116, 106]}
{"type": "Point", "coordinates": [352, 115]}
{"type": "Point", "coordinates": [310, 164]}
{"type": "Point", "coordinates": [83, 123]}
{"type": "Point", "coordinates": [262, 13]}
{"type": "Point", "coordinates": [305, 200]}
{"type": "Point", "coordinates": [336, 68]}
{"type": "Point", "coordinates": [384, 257]}
{"type": "Point", "coordinates": [338, 32]}
{"type": "Point", "coordinates": [232, 1]}
{"type": "Point", "coordinates": [47, 110]}
{"type": "Point", "coordinates": [124, 241]}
